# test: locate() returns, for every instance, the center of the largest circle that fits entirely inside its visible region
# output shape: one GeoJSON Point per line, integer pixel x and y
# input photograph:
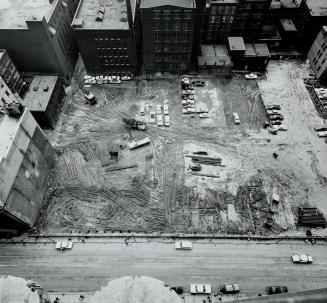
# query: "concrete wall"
{"type": "Point", "coordinates": [24, 171]}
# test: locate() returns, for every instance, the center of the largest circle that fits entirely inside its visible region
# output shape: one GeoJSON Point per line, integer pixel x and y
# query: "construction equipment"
{"type": "Point", "coordinates": [134, 124]}
{"type": "Point", "coordinates": [311, 216]}
{"type": "Point", "coordinates": [89, 97]}
{"type": "Point", "coordinates": [195, 167]}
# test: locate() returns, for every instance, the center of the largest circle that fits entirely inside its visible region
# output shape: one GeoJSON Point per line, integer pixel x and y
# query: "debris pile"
{"type": "Point", "coordinates": [311, 216]}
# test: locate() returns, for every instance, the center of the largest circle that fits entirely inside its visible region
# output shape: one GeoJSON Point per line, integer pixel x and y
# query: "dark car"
{"type": "Point", "coordinates": [229, 288]}
{"type": "Point", "coordinates": [276, 117]}
{"type": "Point", "coordinates": [271, 107]}
{"type": "Point", "coordinates": [198, 83]}
{"type": "Point", "coordinates": [273, 290]}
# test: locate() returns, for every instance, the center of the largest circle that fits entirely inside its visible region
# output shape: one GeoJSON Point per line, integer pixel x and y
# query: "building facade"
{"type": "Point", "coordinates": [26, 158]}
{"type": "Point", "coordinates": [38, 35]}
{"type": "Point", "coordinates": [108, 36]}
{"type": "Point", "coordinates": [7, 96]}
{"type": "Point", "coordinates": [168, 30]}
{"type": "Point", "coordinates": [224, 18]}
{"type": "Point", "coordinates": [317, 54]}
{"type": "Point", "coordinates": [9, 73]}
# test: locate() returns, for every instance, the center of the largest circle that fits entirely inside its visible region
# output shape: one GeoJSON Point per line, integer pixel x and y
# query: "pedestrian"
{"type": "Point", "coordinates": [81, 297]}
{"type": "Point", "coordinates": [275, 155]}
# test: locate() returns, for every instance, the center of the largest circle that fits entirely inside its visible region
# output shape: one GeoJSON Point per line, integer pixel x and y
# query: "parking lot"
{"type": "Point", "coordinates": [153, 189]}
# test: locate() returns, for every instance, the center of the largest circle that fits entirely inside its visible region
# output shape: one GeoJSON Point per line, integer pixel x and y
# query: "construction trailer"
{"type": "Point", "coordinates": [26, 158]}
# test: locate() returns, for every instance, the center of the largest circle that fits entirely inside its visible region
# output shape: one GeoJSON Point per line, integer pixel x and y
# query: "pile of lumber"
{"type": "Point", "coordinates": [205, 160]}
{"type": "Point", "coordinates": [311, 216]}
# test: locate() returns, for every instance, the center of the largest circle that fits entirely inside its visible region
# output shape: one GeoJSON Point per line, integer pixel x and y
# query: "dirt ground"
{"type": "Point", "coordinates": [160, 193]}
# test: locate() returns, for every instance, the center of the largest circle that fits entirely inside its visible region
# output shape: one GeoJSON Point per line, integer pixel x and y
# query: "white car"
{"type": "Point", "coordinates": [200, 289]}
{"type": "Point", "coordinates": [142, 109]}
{"type": "Point", "coordinates": [126, 78]}
{"type": "Point", "coordinates": [159, 120]}
{"type": "Point", "coordinates": [236, 118]}
{"type": "Point", "coordinates": [191, 109]}
{"type": "Point", "coordinates": [167, 120]}
{"type": "Point", "coordinates": [115, 80]}
{"type": "Point", "coordinates": [64, 245]}
{"type": "Point", "coordinates": [301, 258]}
{"type": "Point", "coordinates": [152, 117]}
{"type": "Point", "coordinates": [166, 109]}
{"type": "Point", "coordinates": [204, 115]}
{"type": "Point", "coordinates": [251, 76]}
{"type": "Point", "coordinates": [191, 97]}
{"type": "Point", "coordinates": [183, 245]}
{"type": "Point", "coordinates": [158, 109]}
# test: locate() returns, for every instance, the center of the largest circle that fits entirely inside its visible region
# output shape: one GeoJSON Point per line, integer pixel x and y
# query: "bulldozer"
{"type": "Point", "coordinates": [134, 124]}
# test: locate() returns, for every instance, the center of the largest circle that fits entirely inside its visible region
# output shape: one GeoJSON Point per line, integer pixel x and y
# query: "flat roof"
{"type": "Point", "coordinates": [2, 51]}
{"type": "Point", "coordinates": [317, 7]}
{"type": "Point", "coordinates": [207, 50]}
{"type": "Point", "coordinates": [179, 3]}
{"type": "Point", "coordinates": [8, 128]}
{"type": "Point", "coordinates": [290, 3]}
{"type": "Point", "coordinates": [38, 99]}
{"type": "Point", "coordinates": [249, 50]}
{"type": "Point", "coordinates": [215, 54]}
{"type": "Point", "coordinates": [287, 25]}
{"type": "Point", "coordinates": [14, 13]}
{"type": "Point", "coordinates": [261, 49]}
{"type": "Point", "coordinates": [115, 15]}
{"type": "Point", "coordinates": [236, 43]}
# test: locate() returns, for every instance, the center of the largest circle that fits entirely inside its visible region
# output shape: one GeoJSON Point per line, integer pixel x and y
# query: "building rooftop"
{"type": "Point", "coordinates": [179, 3]}
{"type": "Point", "coordinates": [288, 25]}
{"type": "Point", "coordinates": [38, 96]}
{"type": "Point", "coordinates": [214, 55]}
{"type": "Point", "coordinates": [249, 50]}
{"type": "Point", "coordinates": [8, 128]}
{"type": "Point", "coordinates": [2, 51]}
{"type": "Point", "coordinates": [317, 7]}
{"type": "Point", "coordinates": [207, 50]}
{"type": "Point", "coordinates": [290, 3]}
{"type": "Point", "coordinates": [14, 13]}
{"type": "Point", "coordinates": [261, 49]}
{"type": "Point", "coordinates": [114, 17]}
{"type": "Point", "coordinates": [236, 44]}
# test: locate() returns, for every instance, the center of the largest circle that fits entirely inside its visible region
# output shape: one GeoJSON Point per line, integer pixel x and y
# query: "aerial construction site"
{"type": "Point", "coordinates": [198, 172]}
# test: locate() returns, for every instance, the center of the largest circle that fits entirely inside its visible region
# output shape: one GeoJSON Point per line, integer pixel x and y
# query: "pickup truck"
{"type": "Point", "coordinates": [187, 245]}
{"type": "Point", "coordinates": [64, 245]}
{"type": "Point", "coordinates": [200, 289]}
{"type": "Point", "coordinates": [229, 288]}
{"type": "Point", "coordinates": [301, 258]}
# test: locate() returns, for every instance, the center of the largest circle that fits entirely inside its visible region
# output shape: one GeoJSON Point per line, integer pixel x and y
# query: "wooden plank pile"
{"type": "Point", "coordinates": [206, 160]}
{"type": "Point", "coordinates": [311, 216]}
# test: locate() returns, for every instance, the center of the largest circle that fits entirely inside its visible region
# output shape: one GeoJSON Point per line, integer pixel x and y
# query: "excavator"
{"type": "Point", "coordinates": [134, 124]}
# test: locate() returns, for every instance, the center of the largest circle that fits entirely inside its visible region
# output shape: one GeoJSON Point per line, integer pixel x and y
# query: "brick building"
{"type": "Point", "coordinates": [224, 18]}
{"type": "Point", "coordinates": [317, 54]}
{"type": "Point", "coordinates": [9, 73]}
{"type": "Point", "coordinates": [38, 36]}
{"type": "Point", "coordinates": [168, 29]}
{"type": "Point", "coordinates": [108, 36]}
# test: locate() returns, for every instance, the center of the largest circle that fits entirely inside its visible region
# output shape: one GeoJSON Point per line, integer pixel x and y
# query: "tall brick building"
{"type": "Point", "coordinates": [168, 29]}
{"type": "Point", "coordinates": [38, 36]}
{"type": "Point", "coordinates": [107, 34]}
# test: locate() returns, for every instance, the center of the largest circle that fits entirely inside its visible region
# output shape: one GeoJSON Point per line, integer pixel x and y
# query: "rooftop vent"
{"type": "Point", "coordinates": [46, 88]}
{"type": "Point", "coordinates": [78, 23]}
{"type": "Point", "coordinates": [100, 14]}
{"type": "Point", "coordinates": [52, 31]}
{"type": "Point", "coordinates": [35, 88]}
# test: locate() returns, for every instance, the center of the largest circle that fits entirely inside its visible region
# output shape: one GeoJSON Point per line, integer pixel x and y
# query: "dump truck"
{"type": "Point", "coordinates": [139, 143]}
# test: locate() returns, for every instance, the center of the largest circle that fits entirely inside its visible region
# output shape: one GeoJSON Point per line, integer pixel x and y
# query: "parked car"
{"type": "Point", "coordinates": [236, 118]}
{"type": "Point", "coordinates": [159, 120]}
{"type": "Point", "coordinates": [276, 122]}
{"type": "Point", "coordinates": [184, 245]}
{"type": "Point", "coordinates": [115, 81]}
{"type": "Point", "coordinates": [178, 289]}
{"type": "Point", "coordinates": [190, 97]}
{"type": "Point", "coordinates": [276, 117]}
{"type": "Point", "coordinates": [190, 109]}
{"type": "Point", "coordinates": [275, 106]}
{"type": "Point", "coordinates": [125, 78]}
{"type": "Point", "coordinates": [229, 288]}
{"type": "Point", "coordinates": [251, 76]}
{"type": "Point", "coordinates": [302, 258]}
{"type": "Point", "coordinates": [198, 83]}
{"type": "Point", "coordinates": [272, 290]}
{"type": "Point", "coordinates": [166, 109]}
{"type": "Point", "coordinates": [167, 120]}
{"type": "Point", "coordinates": [204, 115]}
{"type": "Point", "coordinates": [200, 289]}
{"type": "Point", "coordinates": [152, 117]}
{"type": "Point", "coordinates": [142, 109]}
{"type": "Point", "coordinates": [158, 109]}
{"type": "Point", "coordinates": [195, 166]}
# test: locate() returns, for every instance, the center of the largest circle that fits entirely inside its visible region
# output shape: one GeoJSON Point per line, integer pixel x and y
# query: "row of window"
{"type": "Point", "coordinates": [184, 47]}
{"type": "Point", "coordinates": [171, 37]}
{"type": "Point", "coordinates": [168, 26]}
{"type": "Point", "coordinates": [168, 14]}
{"type": "Point", "coordinates": [166, 58]}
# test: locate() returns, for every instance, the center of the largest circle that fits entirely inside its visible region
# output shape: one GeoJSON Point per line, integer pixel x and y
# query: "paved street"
{"type": "Point", "coordinates": [90, 265]}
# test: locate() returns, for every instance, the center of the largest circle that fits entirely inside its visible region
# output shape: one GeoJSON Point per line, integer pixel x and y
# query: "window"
{"type": "Point", "coordinates": [323, 61]}
{"type": "Point", "coordinates": [156, 14]}
{"type": "Point", "coordinates": [185, 27]}
{"type": "Point", "coordinates": [177, 14]}
{"type": "Point", "coordinates": [166, 37]}
{"type": "Point", "coordinates": [187, 14]}
{"type": "Point", "coordinates": [166, 26]}
{"type": "Point", "coordinates": [166, 49]}
{"type": "Point", "coordinates": [156, 37]}
{"type": "Point", "coordinates": [166, 14]}
{"type": "Point", "coordinates": [319, 67]}
{"type": "Point", "coordinates": [157, 26]}
{"type": "Point", "coordinates": [177, 27]}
